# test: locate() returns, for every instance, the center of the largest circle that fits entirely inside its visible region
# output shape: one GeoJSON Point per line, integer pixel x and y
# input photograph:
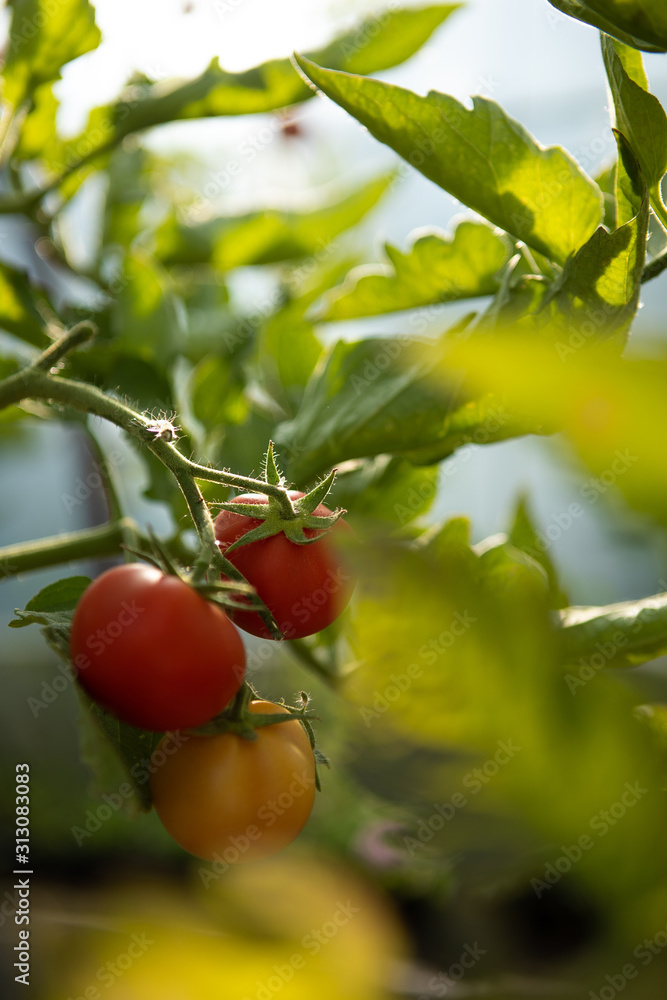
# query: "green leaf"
{"type": "Point", "coordinates": [639, 115]}
{"type": "Point", "coordinates": [612, 410]}
{"type": "Point", "coordinates": [639, 23]}
{"type": "Point", "coordinates": [596, 296]}
{"type": "Point", "coordinates": [379, 396]}
{"type": "Point", "coordinates": [38, 130]}
{"type": "Point", "coordinates": [147, 314]}
{"type": "Point", "coordinates": [481, 156]}
{"type": "Point", "coordinates": [18, 312]}
{"type": "Point", "coordinates": [435, 269]}
{"type": "Point", "coordinates": [116, 752]}
{"type": "Point", "coordinates": [524, 537]}
{"type": "Point", "coordinates": [626, 634]}
{"type": "Point", "coordinates": [269, 236]}
{"type": "Point", "coordinates": [217, 394]}
{"type": "Point", "coordinates": [379, 42]}
{"type": "Point", "coordinates": [387, 489]}
{"type": "Point", "coordinates": [52, 608]}
{"type": "Point", "coordinates": [43, 36]}
{"type": "Point", "coordinates": [601, 284]}
{"type": "Point", "coordinates": [460, 668]}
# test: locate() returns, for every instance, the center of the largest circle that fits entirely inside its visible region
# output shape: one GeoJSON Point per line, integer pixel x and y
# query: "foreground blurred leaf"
{"type": "Point", "coordinates": [612, 410]}
{"type": "Point", "coordinates": [269, 236]}
{"type": "Point", "coordinates": [43, 37]}
{"type": "Point", "coordinates": [435, 269]}
{"type": "Point", "coordinates": [459, 656]}
{"type": "Point", "coordinates": [481, 156]}
{"type": "Point", "coordinates": [388, 402]}
{"type": "Point", "coordinates": [639, 23]}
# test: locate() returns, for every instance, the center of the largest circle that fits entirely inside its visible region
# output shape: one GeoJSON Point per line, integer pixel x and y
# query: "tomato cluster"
{"type": "Point", "coordinates": [153, 651]}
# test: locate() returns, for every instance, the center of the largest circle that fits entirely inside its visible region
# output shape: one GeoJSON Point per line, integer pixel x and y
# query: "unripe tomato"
{"type": "Point", "coordinates": [306, 587]}
{"type": "Point", "coordinates": [153, 651]}
{"type": "Point", "coordinates": [228, 799]}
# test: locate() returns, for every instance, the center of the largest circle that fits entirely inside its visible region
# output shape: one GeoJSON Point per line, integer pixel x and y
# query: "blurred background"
{"type": "Point", "coordinates": [386, 921]}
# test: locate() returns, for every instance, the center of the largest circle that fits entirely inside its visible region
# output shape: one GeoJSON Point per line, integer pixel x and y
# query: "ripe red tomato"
{"type": "Point", "coordinates": [153, 651]}
{"type": "Point", "coordinates": [228, 799]}
{"type": "Point", "coordinates": [304, 586]}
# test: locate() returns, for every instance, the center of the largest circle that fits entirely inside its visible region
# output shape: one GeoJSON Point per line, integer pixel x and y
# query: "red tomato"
{"type": "Point", "coordinates": [153, 651]}
{"type": "Point", "coordinates": [304, 586]}
{"type": "Point", "coordinates": [228, 799]}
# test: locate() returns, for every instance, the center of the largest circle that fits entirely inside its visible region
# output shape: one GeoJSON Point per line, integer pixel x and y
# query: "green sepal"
{"type": "Point", "coordinates": [311, 501]}
{"type": "Point", "coordinates": [271, 470]}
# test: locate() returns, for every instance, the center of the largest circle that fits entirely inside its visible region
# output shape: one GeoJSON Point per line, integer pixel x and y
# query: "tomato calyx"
{"type": "Point", "coordinates": [280, 512]}
{"type": "Point", "coordinates": [238, 719]}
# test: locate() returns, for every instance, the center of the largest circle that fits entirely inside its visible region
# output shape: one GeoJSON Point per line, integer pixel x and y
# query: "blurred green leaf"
{"type": "Point", "coordinates": [612, 410]}
{"type": "Point", "coordinates": [38, 130]}
{"type": "Point", "coordinates": [524, 537]}
{"type": "Point", "coordinates": [217, 394]}
{"type": "Point", "coordinates": [43, 36]}
{"type": "Point", "coordinates": [129, 184]}
{"type": "Point", "coordinates": [377, 43]}
{"type": "Point", "coordinates": [435, 269]}
{"type": "Point", "coordinates": [269, 236]}
{"type": "Point", "coordinates": [18, 307]}
{"type": "Point", "coordinates": [147, 314]}
{"type": "Point", "coordinates": [387, 489]}
{"type": "Point", "coordinates": [481, 156]}
{"type": "Point", "coordinates": [459, 657]}
{"type": "Point", "coordinates": [639, 23]}
{"type": "Point", "coordinates": [115, 752]}
{"type": "Point", "coordinates": [618, 635]}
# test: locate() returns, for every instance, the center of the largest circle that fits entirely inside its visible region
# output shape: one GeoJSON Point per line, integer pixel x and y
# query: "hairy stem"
{"type": "Point", "coordinates": [90, 543]}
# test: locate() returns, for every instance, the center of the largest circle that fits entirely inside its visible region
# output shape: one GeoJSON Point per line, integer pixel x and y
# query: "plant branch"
{"type": "Point", "coordinates": [158, 437]}
{"type": "Point", "coordinates": [90, 543]}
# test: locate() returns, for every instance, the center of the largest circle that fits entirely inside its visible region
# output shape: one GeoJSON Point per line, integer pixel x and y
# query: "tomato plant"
{"type": "Point", "coordinates": [305, 587]}
{"type": "Point", "coordinates": [163, 333]}
{"type": "Point", "coordinates": [235, 799]}
{"type": "Point", "coordinates": [150, 649]}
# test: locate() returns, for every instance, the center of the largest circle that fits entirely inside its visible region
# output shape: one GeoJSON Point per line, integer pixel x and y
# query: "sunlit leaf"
{"type": "Point", "coordinates": [481, 156]}
{"type": "Point", "coordinates": [435, 269]}
{"type": "Point", "coordinates": [43, 37]}
{"type": "Point", "coordinates": [639, 115]}
{"type": "Point", "coordinates": [269, 236]}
